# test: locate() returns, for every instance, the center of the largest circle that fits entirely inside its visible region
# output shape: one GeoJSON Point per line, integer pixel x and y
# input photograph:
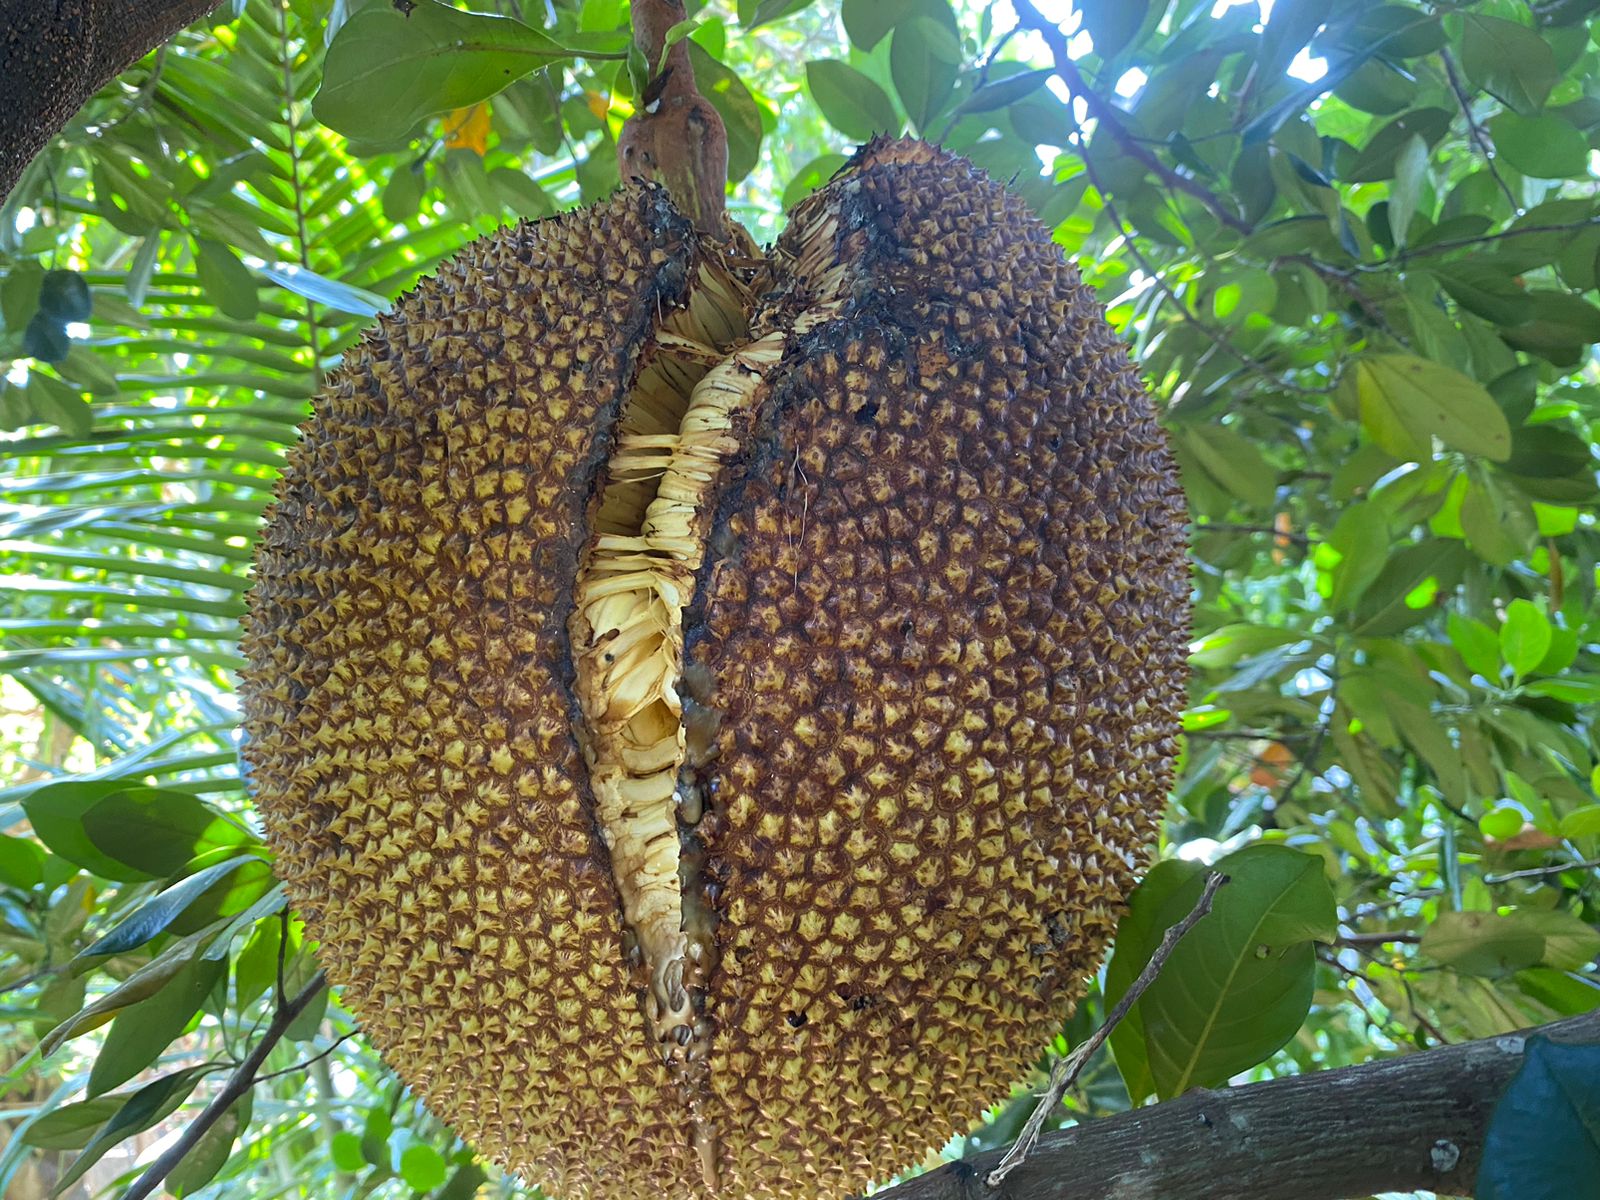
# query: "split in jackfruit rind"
{"type": "Point", "coordinates": [409, 704]}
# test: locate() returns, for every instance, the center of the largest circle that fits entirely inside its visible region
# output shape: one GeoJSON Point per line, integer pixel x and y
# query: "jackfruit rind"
{"type": "Point", "coordinates": [408, 704]}
{"type": "Point", "coordinates": [948, 651]}
{"type": "Point", "coordinates": [914, 588]}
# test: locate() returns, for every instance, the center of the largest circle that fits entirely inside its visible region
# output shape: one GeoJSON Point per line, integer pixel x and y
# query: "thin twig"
{"type": "Point", "coordinates": [1479, 139]}
{"type": "Point", "coordinates": [1378, 939]}
{"type": "Point", "coordinates": [307, 1064]}
{"type": "Point", "coordinates": [1288, 535]}
{"type": "Point", "coordinates": [1487, 239]}
{"type": "Point", "coordinates": [1105, 113]}
{"type": "Point", "coordinates": [240, 1082]}
{"type": "Point", "coordinates": [1535, 872]}
{"type": "Point", "coordinates": [1067, 1069]}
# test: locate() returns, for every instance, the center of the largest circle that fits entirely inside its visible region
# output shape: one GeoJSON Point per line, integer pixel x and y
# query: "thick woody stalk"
{"type": "Point", "coordinates": [675, 137]}
{"type": "Point", "coordinates": [55, 54]}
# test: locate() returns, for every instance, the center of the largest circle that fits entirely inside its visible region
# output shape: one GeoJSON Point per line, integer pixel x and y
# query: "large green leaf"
{"type": "Point", "coordinates": [853, 104]}
{"type": "Point", "coordinates": [1508, 59]}
{"type": "Point", "coordinates": [1239, 985]}
{"type": "Point", "coordinates": [1405, 401]}
{"type": "Point", "coordinates": [388, 71]}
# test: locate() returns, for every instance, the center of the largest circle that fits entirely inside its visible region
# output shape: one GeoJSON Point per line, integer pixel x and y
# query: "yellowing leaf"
{"type": "Point", "coordinates": [468, 129]}
{"type": "Point", "coordinates": [1405, 402]}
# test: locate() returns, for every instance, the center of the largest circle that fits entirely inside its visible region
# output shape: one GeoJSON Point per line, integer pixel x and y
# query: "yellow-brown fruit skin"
{"type": "Point", "coordinates": [408, 720]}
{"type": "Point", "coordinates": [948, 647]}
{"type": "Point", "coordinates": [941, 622]}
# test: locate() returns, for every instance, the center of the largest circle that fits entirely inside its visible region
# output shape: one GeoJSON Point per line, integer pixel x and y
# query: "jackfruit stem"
{"type": "Point", "coordinates": [675, 136]}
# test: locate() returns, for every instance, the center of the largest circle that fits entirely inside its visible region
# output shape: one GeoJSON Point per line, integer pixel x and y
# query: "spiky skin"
{"type": "Point", "coordinates": [941, 624]}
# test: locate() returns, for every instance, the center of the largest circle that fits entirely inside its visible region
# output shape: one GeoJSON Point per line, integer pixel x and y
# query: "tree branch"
{"type": "Point", "coordinates": [55, 54]}
{"type": "Point", "coordinates": [1067, 1069]}
{"type": "Point", "coordinates": [1415, 1121]}
{"type": "Point", "coordinates": [240, 1082]}
{"type": "Point", "coordinates": [1109, 119]}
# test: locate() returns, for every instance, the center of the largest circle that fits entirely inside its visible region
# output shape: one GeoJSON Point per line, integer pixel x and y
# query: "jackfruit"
{"type": "Point", "coordinates": [711, 708]}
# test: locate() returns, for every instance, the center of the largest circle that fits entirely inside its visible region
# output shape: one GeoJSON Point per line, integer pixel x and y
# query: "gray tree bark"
{"type": "Point", "coordinates": [55, 54]}
{"type": "Point", "coordinates": [1416, 1121]}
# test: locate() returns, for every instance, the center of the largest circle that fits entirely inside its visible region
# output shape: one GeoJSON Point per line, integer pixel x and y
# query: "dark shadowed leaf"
{"type": "Point", "coordinates": [853, 104]}
{"type": "Point", "coordinates": [1543, 1142]}
{"type": "Point", "coordinates": [1508, 59]}
{"type": "Point", "coordinates": [209, 1154]}
{"type": "Point", "coordinates": [139, 1112]}
{"type": "Point", "coordinates": [729, 96]}
{"type": "Point", "coordinates": [1113, 23]}
{"type": "Point", "coordinates": [141, 1033]}
{"type": "Point", "coordinates": [924, 57]}
{"type": "Point", "coordinates": [869, 21]}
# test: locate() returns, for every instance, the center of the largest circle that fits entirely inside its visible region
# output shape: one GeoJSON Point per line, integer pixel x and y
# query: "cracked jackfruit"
{"type": "Point", "coordinates": [711, 709]}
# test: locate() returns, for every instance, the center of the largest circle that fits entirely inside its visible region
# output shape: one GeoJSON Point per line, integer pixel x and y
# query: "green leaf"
{"type": "Point", "coordinates": [1355, 553]}
{"type": "Point", "coordinates": [1138, 934]}
{"type": "Point", "coordinates": [151, 919]}
{"type": "Point", "coordinates": [1502, 824]}
{"type": "Point", "coordinates": [1482, 943]}
{"type": "Point", "coordinates": [346, 1152]}
{"type": "Point", "coordinates": [71, 1126]}
{"type": "Point", "coordinates": [1478, 645]}
{"type": "Point", "coordinates": [1570, 943]}
{"type": "Point", "coordinates": [1379, 158]}
{"type": "Point", "coordinates": [1001, 93]}
{"type": "Point", "coordinates": [56, 813]}
{"type": "Point", "coordinates": [142, 1109]}
{"type": "Point", "coordinates": [853, 104]}
{"type": "Point", "coordinates": [229, 284]}
{"type": "Point", "coordinates": [1582, 822]}
{"type": "Point", "coordinates": [1544, 146]}
{"type": "Point", "coordinates": [769, 10]}
{"type": "Point", "coordinates": [141, 1032]}
{"type": "Point", "coordinates": [1524, 636]}
{"type": "Point", "coordinates": [811, 177]}
{"type": "Point", "coordinates": [422, 1167]}
{"type": "Point", "coordinates": [924, 59]}
{"type": "Point", "coordinates": [53, 402]}
{"type": "Point", "coordinates": [387, 72]}
{"type": "Point", "coordinates": [21, 862]}
{"type": "Point", "coordinates": [211, 1152]}
{"type": "Point", "coordinates": [1112, 24]}
{"type": "Point", "coordinates": [142, 984]}
{"type": "Point", "coordinates": [1239, 985]}
{"type": "Point", "coordinates": [1234, 462]}
{"type": "Point", "coordinates": [158, 831]}
{"type": "Point", "coordinates": [1406, 401]}
{"type": "Point", "coordinates": [727, 93]}
{"type": "Point", "coordinates": [868, 22]}
{"type": "Point", "coordinates": [1508, 60]}
{"type": "Point", "coordinates": [19, 294]}
{"type": "Point", "coordinates": [1410, 172]}
{"type": "Point", "coordinates": [1543, 1141]}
